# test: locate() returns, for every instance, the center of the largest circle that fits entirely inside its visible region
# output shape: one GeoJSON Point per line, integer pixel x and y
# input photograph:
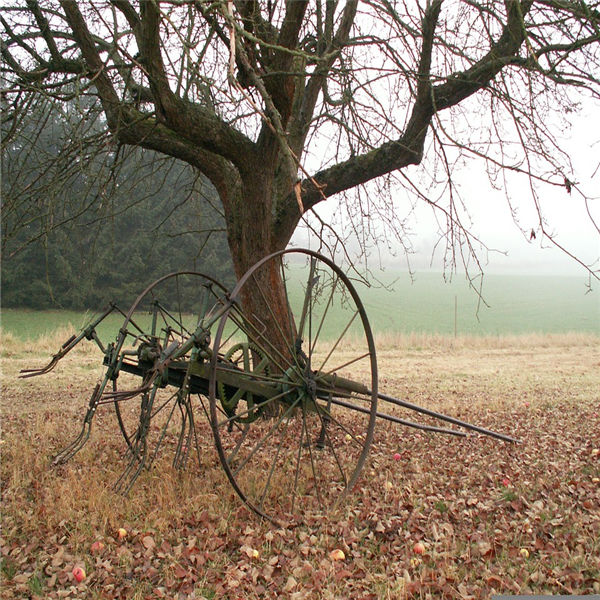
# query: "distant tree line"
{"type": "Point", "coordinates": [72, 239]}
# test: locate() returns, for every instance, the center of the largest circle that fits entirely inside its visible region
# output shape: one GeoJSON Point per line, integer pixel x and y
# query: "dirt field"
{"type": "Point", "coordinates": [492, 517]}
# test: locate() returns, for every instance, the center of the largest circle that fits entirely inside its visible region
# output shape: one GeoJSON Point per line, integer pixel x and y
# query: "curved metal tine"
{"type": "Point", "coordinates": [129, 475]}
{"type": "Point", "coordinates": [163, 431]}
{"type": "Point", "coordinates": [140, 458]}
{"type": "Point", "coordinates": [125, 482]}
{"type": "Point", "coordinates": [122, 425]}
{"type": "Point", "coordinates": [120, 396]}
{"type": "Point", "coordinates": [183, 397]}
{"type": "Point", "coordinates": [77, 444]}
{"type": "Point", "coordinates": [70, 344]}
{"type": "Point", "coordinates": [196, 444]}
{"type": "Point", "coordinates": [133, 442]}
{"type": "Point", "coordinates": [191, 435]}
{"type": "Point", "coordinates": [25, 373]}
{"type": "Point", "coordinates": [180, 452]}
{"type": "Point", "coordinates": [130, 440]}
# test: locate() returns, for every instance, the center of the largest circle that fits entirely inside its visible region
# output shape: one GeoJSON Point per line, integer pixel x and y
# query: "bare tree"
{"type": "Point", "coordinates": [284, 105]}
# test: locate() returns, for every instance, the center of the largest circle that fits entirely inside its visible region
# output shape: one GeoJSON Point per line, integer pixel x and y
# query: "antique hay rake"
{"type": "Point", "coordinates": [291, 408]}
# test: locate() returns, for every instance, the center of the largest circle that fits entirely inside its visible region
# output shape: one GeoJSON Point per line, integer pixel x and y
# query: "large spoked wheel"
{"type": "Point", "coordinates": [293, 387]}
{"type": "Point", "coordinates": [154, 407]}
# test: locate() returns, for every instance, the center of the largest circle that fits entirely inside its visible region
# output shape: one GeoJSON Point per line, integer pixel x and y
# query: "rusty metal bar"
{"type": "Point", "coordinates": [393, 419]}
{"type": "Point", "coordinates": [431, 413]}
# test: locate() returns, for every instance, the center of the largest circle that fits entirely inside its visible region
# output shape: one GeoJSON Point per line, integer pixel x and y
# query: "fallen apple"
{"type": "Point", "coordinates": [121, 533]}
{"type": "Point", "coordinates": [506, 482]}
{"type": "Point", "coordinates": [337, 554]}
{"type": "Point", "coordinates": [524, 552]}
{"type": "Point", "coordinates": [97, 547]}
{"type": "Point", "coordinates": [419, 548]}
{"type": "Point", "coordinates": [78, 574]}
{"type": "Point", "coordinates": [397, 456]}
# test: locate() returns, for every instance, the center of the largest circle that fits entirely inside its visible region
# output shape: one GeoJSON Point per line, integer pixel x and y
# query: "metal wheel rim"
{"type": "Point", "coordinates": [129, 437]}
{"type": "Point", "coordinates": [373, 371]}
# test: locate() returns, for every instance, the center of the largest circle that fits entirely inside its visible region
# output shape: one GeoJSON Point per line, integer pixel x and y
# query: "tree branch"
{"type": "Point", "coordinates": [462, 85]}
{"type": "Point", "coordinates": [108, 96]}
{"type": "Point", "coordinates": [299, 126]}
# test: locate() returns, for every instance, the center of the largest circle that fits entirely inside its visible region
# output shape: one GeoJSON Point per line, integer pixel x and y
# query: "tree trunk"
{"type": "Point", "coordinates": [251, 237]}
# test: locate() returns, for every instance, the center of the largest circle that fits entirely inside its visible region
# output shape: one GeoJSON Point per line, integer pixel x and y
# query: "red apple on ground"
{"type": "Point", "coordinates": [78, 574]}
{"type": "Point", "coordinates": [419, 548]}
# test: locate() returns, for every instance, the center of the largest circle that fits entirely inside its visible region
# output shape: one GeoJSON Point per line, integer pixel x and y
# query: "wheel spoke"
{"type": "Point", "coordinates": [345, 429]}
{"type": "Point", "coordinates": [275, 460]}
{"type": "Point", "coordinates": [247, 411]}
{"type": "Point", "coordinates": [285, 339]}
{"type": "Point", "coordinates": [312, 462]}
{"type": "Point", "coordinates": [346, 364]}
{"type": "Point", "coordinates": [331, 445]}
{"type": "Point", "coordinates": [266, 438]}
{"type": "Point", "coordinates": [179, 309]}
{"type": "Point", "coordinates": [297, 469]}
{"type": "Point", "coordinates": [339, 339]}
{"type": "Point", "coordinates": [324, 315]}
{"type": "Point", "coordinates": [307, 298]}
{"type": "Point", "coordinates": [260, 340]}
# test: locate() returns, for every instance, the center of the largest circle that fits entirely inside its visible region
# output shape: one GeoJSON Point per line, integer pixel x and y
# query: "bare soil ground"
{"type": "Point", "coordinates": [492, 517]}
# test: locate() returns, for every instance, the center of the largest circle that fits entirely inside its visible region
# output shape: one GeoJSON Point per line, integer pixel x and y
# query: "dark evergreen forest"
{"type": "Point", "coordinates": [84, 222]}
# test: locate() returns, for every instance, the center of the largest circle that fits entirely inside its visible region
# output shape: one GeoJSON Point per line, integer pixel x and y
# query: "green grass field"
{"type": "Point", "coordinates": [515, 305]}
{"type": "Point", "coordinates": [511, 305]}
